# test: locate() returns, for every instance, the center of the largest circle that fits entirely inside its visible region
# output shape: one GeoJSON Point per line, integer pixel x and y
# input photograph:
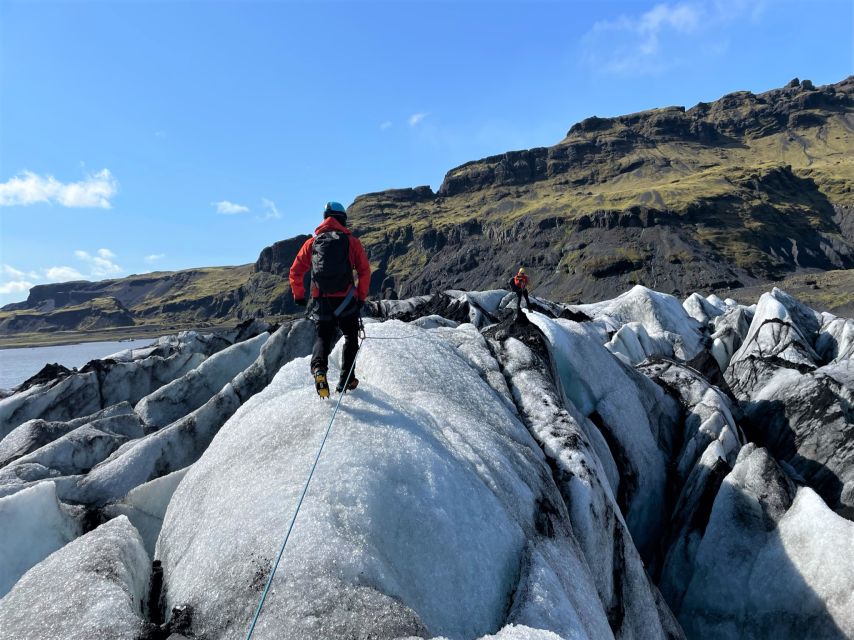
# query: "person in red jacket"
{"type": "Point", "coordinates": [331, 256]}
{"type": "Point", "coordinates": [519, 285]}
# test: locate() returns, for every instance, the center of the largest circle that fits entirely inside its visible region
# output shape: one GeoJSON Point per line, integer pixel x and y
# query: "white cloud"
{"type": "Point", "coordinates": [9, 270]}
{"type": "Point", "coordinates": [62, 274]}
{"type": "Point", "coordinates": [661, 37]}
{"type": "Point", "coordinates": [14, 286]}
{"type": "Point", "coordinates": [95, 191]}
{"type": "Point", "coordinates": [385, 125]}
{"type": "Point", "coordinates": [271, 211]}
{"type": "Point", "coordinates": [22, 281]}
{"type": "Point", "coordinates": [416, 118]}
{"type": "Point", "coordinates": [101, 264]}
{"type": "Point", "coordinates": [229, 208]}
{"type": "Point", "coordinates": [154, 257]}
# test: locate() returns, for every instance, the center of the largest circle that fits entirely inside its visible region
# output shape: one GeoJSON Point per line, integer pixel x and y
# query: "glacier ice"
{"type": "Point", "coordinates": [658, 312]}
{"type": "Point", "coordinates": [702, 309]}
{"type": "Point", "coordinates": [617, 397]}
{"type": "Point", "coordinates": [65, 400]}
{"type": "Point", "coordinates": [424, 445]}
{"type": "Point", "coordinates": [36, 433]}
{"type": "Point", "coordinates": [730, 329]}
{"type": "Point", "coordinates": [94, 587]}
{"type": "Point", "coordinates": [32, 526]}
{"type": "Point", "coordinates": [587, 477]}
{"type": "Point", "coordinates": [189, 392]}
{"type": "Point", "coordinates": [145, 506]}
{"type": "Point", "coordinates": [74, 453]}
{"type": "Point", "coordinates": [98, 385]}
{"type": "Point", "coordinates": [774, 561]}
{"type": "Point", "coordinates": [580, 472]}
{"type": "Point", "coordinates": [181, 443]}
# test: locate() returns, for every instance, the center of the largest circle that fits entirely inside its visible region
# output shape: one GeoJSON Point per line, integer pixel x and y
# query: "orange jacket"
{"type": "Point", "coordinates": [358, 260]}
{"type": "Point", "coordinates": [521, 281]}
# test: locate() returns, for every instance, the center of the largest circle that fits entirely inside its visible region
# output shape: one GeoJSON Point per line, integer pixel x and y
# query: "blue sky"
{"type": "Point", "coordinates": [139, 136]}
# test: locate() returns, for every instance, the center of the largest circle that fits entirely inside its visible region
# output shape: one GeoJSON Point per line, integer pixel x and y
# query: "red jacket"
{"type": "Point", "coordinates": [358, 260]}
{"type": "Point", "coordinates": [521, 281]}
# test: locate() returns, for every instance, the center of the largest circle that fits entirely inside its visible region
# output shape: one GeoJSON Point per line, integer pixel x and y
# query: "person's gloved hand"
{"type": "Point", "coordinates": [300, 302]}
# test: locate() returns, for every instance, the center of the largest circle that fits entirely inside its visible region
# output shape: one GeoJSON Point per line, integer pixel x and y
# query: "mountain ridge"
{"type": "Point", "coordinates": [742, 191]}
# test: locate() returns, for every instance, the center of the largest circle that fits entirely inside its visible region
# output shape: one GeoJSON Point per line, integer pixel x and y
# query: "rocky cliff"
{"type": "Point", "coordinates": [743, 190]}
{"type": "Point", "coordinates": [738, 192]}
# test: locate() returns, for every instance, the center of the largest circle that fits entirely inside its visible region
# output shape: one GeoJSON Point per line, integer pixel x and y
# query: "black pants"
{"type": "Point", "coordinates": [327, 326]}
{"type": "Point", "coordinates": [519, 294]}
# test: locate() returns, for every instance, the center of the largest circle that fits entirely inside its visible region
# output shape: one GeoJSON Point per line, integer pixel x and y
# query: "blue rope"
{"type": "Point", "coordinates": [308, 480]}
{"type": "Point", "coordinates": [299, 503]}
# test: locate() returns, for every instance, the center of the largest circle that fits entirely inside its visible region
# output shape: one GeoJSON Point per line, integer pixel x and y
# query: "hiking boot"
{"type": "Point", "coordinates": [321, 384]}
{"type": "Point", "coordinates": [342, 384]}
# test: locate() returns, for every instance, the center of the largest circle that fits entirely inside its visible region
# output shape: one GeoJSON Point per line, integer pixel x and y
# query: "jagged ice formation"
{"type": "Point", "coordinates": [634, 468]}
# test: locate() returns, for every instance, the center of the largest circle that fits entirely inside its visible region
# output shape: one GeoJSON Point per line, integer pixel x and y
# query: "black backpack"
{"type": "Point", "coordinates": [331, 271]}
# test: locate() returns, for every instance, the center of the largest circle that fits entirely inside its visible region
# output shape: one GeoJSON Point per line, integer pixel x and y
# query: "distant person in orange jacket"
{"type": "Point", "coordinates": [519, 285]}
{"type": "Point", "coordinates": [332, 255]}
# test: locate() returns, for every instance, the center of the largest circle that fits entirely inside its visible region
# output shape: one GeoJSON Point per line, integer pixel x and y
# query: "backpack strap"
{"type": "Point", "coordinates": [340, 309]}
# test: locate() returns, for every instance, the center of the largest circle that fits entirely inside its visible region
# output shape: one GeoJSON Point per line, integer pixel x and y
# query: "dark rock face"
{"type": "Point", "coordinates": [595, 263]}
{"type": "Point", "coordinates": [734, 193]}
{"type": "Point", "coordinates": [279, 257]}
{"type": "Point", "coordinates": [724, 240]}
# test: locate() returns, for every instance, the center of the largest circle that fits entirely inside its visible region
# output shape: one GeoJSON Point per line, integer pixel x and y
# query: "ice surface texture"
{"type": "Point", "coordinates": [32, 526]}
{"type": "Point", "coordinates": [774, 562]}
{"type": "Point", "coordinates": [421, 516]}
{"type": "Point", "coordinates": [523, 480]}
{"type": "Point", "coordinates": [794, 376]}
{"type": "Point", "coordinates": [194, 388]}
{"type": "Point", "coordinates": [93, 587]}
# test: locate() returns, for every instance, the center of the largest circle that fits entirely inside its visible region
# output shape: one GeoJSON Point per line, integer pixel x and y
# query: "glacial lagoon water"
{"type": "Point", "coordinates": [16, 365]}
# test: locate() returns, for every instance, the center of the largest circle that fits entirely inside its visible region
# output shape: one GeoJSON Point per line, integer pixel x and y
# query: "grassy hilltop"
{"type": "Point", "coordinates": [740, 192]}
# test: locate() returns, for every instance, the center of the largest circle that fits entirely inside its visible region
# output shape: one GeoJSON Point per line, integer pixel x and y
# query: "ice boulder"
{"type": "Point", "coordinates": [419, 519]}
{"type": "Point", "coordinates": [634, 415]}
{"type": "Point", "coordinates": [187, 393]}
{"type": "Point", "coordinates": [782, 334]}
{"type": "Point", "coordinates": [702, 309]}
{"type": "Point", "coordinates": [708, 415]}
{"type": "Point", "coordinates": [835, 341]}
{"type": "Point", "coordinates": [729, 331]}
{"type": "Point", "coordinates": [34, 434]}
{"type": "Point", "coordinates": [774, 561]}
{"type": "Point", "coordinates": [74, 453]}
{"type": "Point", "coordinates": [145, 506]}
{"type": "Point", "coordinates": [657, 312]}
{"type": "Point", "coordinates": [94, 587]}
{"type": "Point", "coordinates": [483, 305]}
{"type": "Point", "coordinates": [634, 343]}
{"type": "Point", "coordinates": [807, 421]}
{"type": "Point", "coordinates": [33, 525]}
